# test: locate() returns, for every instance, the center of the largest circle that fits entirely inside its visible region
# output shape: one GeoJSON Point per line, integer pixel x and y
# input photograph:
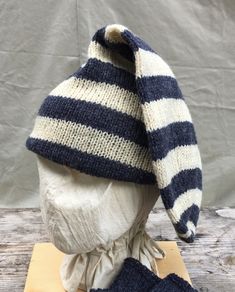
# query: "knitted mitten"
{"type": "Point", "coordinates": [172, 283]}
{"type": "Point", "coordinates": [135, 277]}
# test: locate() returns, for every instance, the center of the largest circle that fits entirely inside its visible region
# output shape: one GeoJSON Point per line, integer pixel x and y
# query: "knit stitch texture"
{"type": "Point", "coordinates": [135, 277]}
{"type": "Point", "coordinates": [122, 116]}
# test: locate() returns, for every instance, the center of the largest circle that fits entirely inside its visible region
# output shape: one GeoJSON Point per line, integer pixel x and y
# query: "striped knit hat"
{"type": "Point", "coordinates": [122, 116]}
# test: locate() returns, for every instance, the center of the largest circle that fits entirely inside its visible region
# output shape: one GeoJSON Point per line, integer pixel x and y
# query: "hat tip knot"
{"type": "Point", "coordinates": [113, 33]}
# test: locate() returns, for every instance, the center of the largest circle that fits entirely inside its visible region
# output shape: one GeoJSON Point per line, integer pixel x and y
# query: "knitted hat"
{"type": "Point", "coordinates": [122, 116]}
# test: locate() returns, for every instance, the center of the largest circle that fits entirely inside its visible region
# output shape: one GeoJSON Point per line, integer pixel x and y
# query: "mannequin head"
{"type": "Point", "coordinates": [83, 212]}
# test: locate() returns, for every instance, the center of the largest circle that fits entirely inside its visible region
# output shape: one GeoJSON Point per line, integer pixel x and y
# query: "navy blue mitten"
{"type": "Point", "coordinates": [135, 277]}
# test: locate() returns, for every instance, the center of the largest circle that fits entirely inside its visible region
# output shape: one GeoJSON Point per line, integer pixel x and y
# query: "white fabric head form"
{"type": "Point", "coordinates": [97, 222]}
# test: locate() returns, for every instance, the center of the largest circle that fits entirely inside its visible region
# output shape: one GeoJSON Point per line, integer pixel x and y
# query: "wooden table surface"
{"type": "Point", "coordinates": [210, 260]}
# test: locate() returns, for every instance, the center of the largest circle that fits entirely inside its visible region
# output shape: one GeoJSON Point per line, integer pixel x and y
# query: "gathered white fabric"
{"type": "Point", "coordinates": [98, 268]}
{"type": "Point", "coordinates": [96, 222]}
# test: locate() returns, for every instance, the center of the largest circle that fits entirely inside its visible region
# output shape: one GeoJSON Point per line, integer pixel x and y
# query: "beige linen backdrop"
{"type": "Point", "coordinates": [42, 42]}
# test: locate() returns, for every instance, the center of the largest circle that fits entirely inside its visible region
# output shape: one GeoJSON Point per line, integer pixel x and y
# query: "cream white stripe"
{"type": "Point", "coordinates": [101, 93]}
{"type": "Point", "coordinates": [165, 111]}
{"type": "Point", "coordinates": [95, 50]}
{"type": "Point", "coordinates": [178, 159]}
{"type": "Point", "coordinates": [151, 64]}
{"type": "Point", "coordinates": [183, 202]}
{"type": "Point", "coordinates": [113, 33]}
{"type": "Point", "coordinates": [92, 141]}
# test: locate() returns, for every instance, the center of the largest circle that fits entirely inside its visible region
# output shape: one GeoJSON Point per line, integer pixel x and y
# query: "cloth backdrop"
{"type": "Point", "coordinates": [43, 42]}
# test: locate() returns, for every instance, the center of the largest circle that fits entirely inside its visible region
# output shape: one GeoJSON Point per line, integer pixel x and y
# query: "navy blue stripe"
{"type": "Point", "coordinates": [188, 239]}
{"type": "Point", "coordinates": [135, 42]}
{"type": "Point", "coordinates": [99, 71]}
{"type": "Point", "coordinates": [185, 180]}
{"type": "Point", "coordinates": [191, 214]}
{"type": "Point", "coordinates": [88, 163]}
{"type": "Point", "coordinates": [123, 49]}
{"type": "Point", "coordinates": [99, 37]}
{"type": "Point", "coordinates": [157, 87]}
{"type": "Point", "coordinates": [161, 141]}
{"type": "Point", "coordinates": [97, 116]}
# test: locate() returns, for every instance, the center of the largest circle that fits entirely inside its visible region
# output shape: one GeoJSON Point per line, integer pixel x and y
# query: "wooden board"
{"type": "Point", "coordinates": [43, 273]}
{"type": "Point", "coordinates": [173, 262]}
{"type": "Point", "coordinates": [210, 260]}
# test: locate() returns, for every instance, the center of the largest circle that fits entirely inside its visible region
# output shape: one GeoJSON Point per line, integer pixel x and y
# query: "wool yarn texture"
{"type": "Point", "coordinates": [135, 277]}
{"type": "Point", "coordinates": [122, 116]}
